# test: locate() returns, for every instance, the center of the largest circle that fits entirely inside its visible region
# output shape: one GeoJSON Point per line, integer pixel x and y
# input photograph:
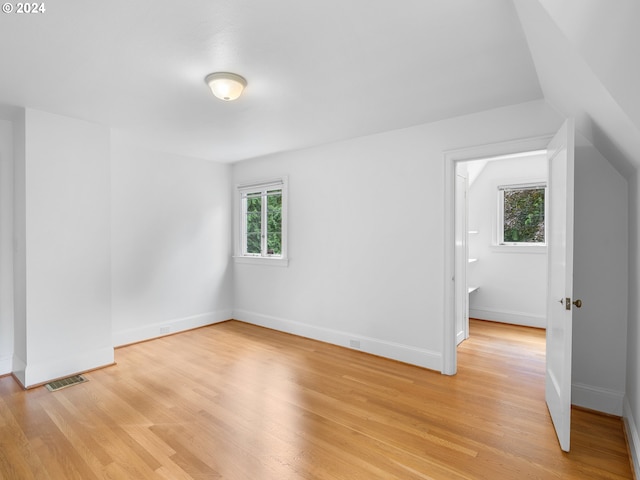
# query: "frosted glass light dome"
{"type": "Point", "coordinates": [226, 86]}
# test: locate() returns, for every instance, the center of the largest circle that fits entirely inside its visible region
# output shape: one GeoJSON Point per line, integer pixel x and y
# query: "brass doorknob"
{"type": "Point", "coordinates": [578, 303]}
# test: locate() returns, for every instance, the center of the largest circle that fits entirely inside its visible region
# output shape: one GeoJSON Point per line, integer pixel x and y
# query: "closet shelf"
{"type": "Point", "coordinates": [473, 289]}
{"type": "Point", "coordinates": [472, 260]}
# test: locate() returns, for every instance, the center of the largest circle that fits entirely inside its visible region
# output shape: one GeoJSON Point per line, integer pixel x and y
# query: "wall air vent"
{"type": "Point", "coordinates": [65, 382]}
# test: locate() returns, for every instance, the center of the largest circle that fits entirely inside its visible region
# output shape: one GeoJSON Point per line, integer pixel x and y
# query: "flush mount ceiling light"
{"type": "Point", "coordinates": [226, 86]}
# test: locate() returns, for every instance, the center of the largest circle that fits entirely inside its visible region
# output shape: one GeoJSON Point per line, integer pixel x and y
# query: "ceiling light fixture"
{"type": "Point", "coordinates": [226, 86]}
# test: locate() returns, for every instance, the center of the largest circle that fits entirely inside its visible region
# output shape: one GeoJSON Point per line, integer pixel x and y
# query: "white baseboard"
{"type": "Point", "coordinates": [633, 437]}
{"type": "Point", "coordinates": [597, 398]}
{"type": "Point", "coordinates": [506, 316]}
{"type": "Point", "coordinates": [160, 329]}
{"type": "Point", "coordinates": [6, 364]}
{"type": "Point", "coordinates": [403, 353]}
{"type": "Point", "coordinates": [18, 368]}
{"type": "Point", "coordinates": [63, 365]}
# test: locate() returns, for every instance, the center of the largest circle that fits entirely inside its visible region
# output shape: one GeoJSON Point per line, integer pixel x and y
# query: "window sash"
{"type": "Point", "coordinates": [524, 186]}
{"type": "Point", "coordinates": [263, 191]}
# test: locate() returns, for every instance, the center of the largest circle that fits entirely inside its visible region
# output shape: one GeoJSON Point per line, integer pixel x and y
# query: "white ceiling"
{"type": "Point", "coordinates": [317, 71]}
{"type": "Point", "coordinates": [587, 56]}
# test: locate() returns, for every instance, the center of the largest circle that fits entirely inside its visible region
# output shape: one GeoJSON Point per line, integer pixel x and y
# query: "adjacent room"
{"type": "Point", "coordinates": [511, 270]}
{"type": "Point", "coordinates": [272, 239]}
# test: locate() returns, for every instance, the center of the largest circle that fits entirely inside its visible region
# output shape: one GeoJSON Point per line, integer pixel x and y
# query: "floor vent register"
{"type": "Point", "coordinates": [65, 382]}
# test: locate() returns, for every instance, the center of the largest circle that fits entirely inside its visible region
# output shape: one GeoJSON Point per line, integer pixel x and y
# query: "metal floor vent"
{"type": "Point", "coordinates": [65, 382]}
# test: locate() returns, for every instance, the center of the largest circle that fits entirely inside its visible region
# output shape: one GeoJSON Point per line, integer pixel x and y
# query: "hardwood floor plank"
{"type": "Point", "coordinates": [238, 402]}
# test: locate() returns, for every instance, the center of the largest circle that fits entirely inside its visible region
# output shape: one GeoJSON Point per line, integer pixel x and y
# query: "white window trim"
{"type": "Point", "coordinates": [526, 248]}
{"type": "Point", "coordinates": [499, 246]}
{"type": "Point", "coordinates": [239, 255]}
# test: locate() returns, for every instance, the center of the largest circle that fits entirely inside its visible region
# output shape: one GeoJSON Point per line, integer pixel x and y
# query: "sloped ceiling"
{"type": "Point", "coordinates": [587, 56]}
{"type": "Point", "coordinates": [317, 71]}
{"type": "Point", "coordinates": [321, 71]}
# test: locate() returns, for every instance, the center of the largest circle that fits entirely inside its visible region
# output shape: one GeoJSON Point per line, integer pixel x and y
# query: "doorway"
{"type": "Point", "coordinates": [453, 301]}
{"type": "Point", "coordinates": [593, 193]}
{"type": "Point", "coordinates": [501, 261]}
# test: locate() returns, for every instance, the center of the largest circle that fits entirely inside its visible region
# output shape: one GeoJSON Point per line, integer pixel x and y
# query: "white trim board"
{"type": "Point", "coordinates": [168, 327]}
{"type": "Point", "coordinates": [396, 351]}
{"type": "Point", "coordinates": [597, 398]}
{"type": "Point", "coordinates": [506, 316]}
{"type": "Point", "coordinates": [633, 437]}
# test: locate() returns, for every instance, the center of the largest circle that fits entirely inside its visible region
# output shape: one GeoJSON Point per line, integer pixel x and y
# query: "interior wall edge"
{"type": "Point", "coordinates": [633, 436]}
{"type": "Point", "coordinates": [394, 351]}
{"type": "Point", "coordinates": [18, 367]}
{"type": "Point", "coordinates": [37, 373]}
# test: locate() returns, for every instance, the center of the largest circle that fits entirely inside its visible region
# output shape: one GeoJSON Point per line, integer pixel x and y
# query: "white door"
{"type": "Point", "coordinates": [560, 153]}
{"type": "Point", "coordinates": [461, 260]}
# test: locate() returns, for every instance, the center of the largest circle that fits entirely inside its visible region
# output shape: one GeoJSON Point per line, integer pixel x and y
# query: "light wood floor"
{"type": "Point", "coordinates": [239, 402]}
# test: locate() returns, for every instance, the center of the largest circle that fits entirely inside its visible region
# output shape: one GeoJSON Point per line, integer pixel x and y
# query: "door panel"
{"type": "Point", "coordinates": [560, 153]}
{"type": "Point", "coordinates": [461, 260]}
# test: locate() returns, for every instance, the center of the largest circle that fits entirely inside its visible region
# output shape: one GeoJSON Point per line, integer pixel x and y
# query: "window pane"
{"type": "Point", "coordinates": [253, 223]}
{"type": "Point", "coordinates": [253, 243]}
{"type": "Point", "coordinates": [254, 204]}
{"type": "Point", "coordinates": [524, 215]}
{"type": "Point", "coordinates": [274, 244]}
{"type": "Point", "coordinates": [274, 225]}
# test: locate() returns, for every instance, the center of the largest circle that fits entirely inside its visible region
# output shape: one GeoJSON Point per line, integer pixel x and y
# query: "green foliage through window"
{"type": "Point", "coordinates": [274, 222]}
{"type": "Point", "coordinates": [523, 220]}
{"type": "Point", "coordinates": [254, 224]}
{"type": "Point", "coordinates": [263, 222]}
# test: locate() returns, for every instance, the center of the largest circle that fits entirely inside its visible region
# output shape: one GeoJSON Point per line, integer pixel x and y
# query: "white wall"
{"type": "Point", "coordinates": [19, 244]}
{"type": "Point", "coordinates": [366, 240]}
{"type": "Point", "coordinates": [113, 245]}
{"type": "Point", "coordinates": [67, 248]}
{"type": "Point", "coordinates": [6, 246]}
{"type": "Point", "coordinates": [606, 38]}
{"type": "Point", "coordinates": [600, 273]}
{"type": "Point", "coordinates": [171, 241]}
{"type": "Point", "coordinates": [632, 398]}
{"type": "Point", "coordinates": [512, 280]}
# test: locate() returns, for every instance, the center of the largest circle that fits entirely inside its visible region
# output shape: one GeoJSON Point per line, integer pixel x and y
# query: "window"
{"type": "Point", "coordinates": [263, 220]}
{"type": "Point", "coordinates": [522, 214]}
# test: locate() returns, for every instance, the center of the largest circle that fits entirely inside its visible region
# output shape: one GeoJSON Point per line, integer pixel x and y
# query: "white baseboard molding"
{"type": "Point", "coordinates": [396, 351]}
{"type": "Point", "coordinates": [633, 437]}
{"type": "Point", "coordinates": [597, 398]}
{"type": "Point", "coordinates": [62, 366]}
{"type": "Point", "coordinates": [6, 364]}
{"type": "Point", "coordinates": [167, 327]}
{"type": "Point", "coordinates": [506, 316]}
{"type": "Point", "coordinates": [18, 368]}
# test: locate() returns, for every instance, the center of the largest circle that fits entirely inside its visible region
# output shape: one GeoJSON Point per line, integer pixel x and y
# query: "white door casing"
{"type": "Point", "coordinates": [451, 299]}
{"type": "Point", "coordinates": [560, 154]}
